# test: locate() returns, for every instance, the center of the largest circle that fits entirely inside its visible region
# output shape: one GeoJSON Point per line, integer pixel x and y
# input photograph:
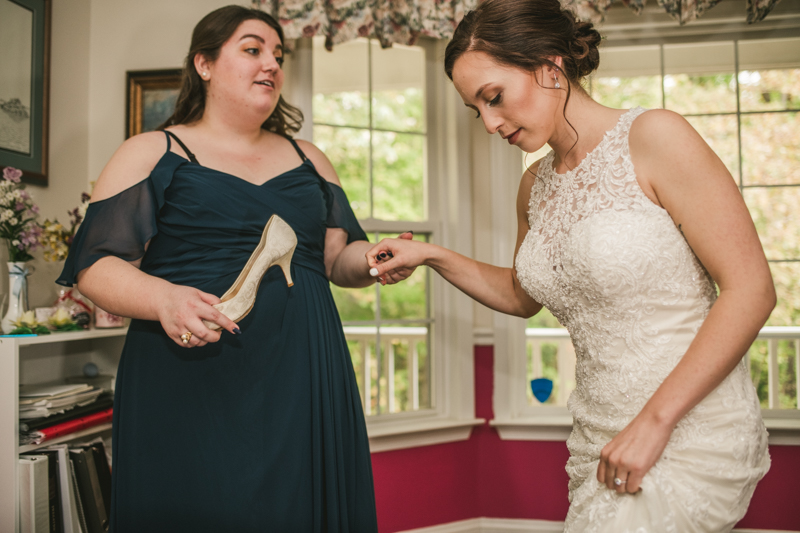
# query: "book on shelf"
{"type": "Point", "coordinates": [47, 406]}
{"type": "Point", "coordinates": [65, 428]}
{"type": "Point", "coordinates": [104, 401]}
{"type": "Point", "coordinates": [69, 509]}
{"type": "Point", "coordinates": [103, 472]}
{"type": "Point", "coordinates": [34, 494]}
{"type": "Point", "coordinates": [56, 519]}
{"type": "Point", "coordinates": [90, 493]}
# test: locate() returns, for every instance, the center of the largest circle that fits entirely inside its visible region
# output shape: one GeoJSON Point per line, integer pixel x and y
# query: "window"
{"type": "Point", "coordinates": [743, 97]}
{"type": "Point", "coordinates": [369, 118]}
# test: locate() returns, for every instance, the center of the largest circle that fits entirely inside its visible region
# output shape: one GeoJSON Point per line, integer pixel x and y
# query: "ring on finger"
{"type": "Point", "coordinates": [186, 337]}
{"type": "Point", "coordinates": [619, 482]}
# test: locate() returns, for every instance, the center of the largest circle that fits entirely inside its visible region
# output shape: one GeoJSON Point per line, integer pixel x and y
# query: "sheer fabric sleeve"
{"type": "Point", "coordinates": [120, 226]}
{"type": "Point", "coordinates": [340, 215]}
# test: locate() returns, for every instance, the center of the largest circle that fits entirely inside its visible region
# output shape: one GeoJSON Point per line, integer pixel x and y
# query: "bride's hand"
{"type": "Point", "coordinates": [632, 453]}
{"type": "Point", "coordinates": [393, 260]}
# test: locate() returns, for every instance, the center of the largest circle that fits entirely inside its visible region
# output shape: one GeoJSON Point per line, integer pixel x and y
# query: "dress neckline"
{"type": "Point", "coordinates": [237, 178]}
{"type": "Point", "coordinates": [589, 155]}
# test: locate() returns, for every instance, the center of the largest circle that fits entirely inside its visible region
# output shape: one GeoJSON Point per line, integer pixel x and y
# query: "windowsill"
{"type": "Point", "coordinates": [783, 427]}
{"type": "Point", "coordinates": [385, 435]}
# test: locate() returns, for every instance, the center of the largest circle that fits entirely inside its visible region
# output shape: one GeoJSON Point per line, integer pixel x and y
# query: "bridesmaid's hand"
{"type": "Point", "coordinates": [632, 453]}
{"type": "Point", "coordinates": [392, 260]}
{"type": "Point", "coordinates": [182, 310]}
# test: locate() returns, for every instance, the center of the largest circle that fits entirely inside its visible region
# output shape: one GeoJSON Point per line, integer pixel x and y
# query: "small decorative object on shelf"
{"type": "Point", "coordinates": [18, 294]}
{"type": "Point", "coordinates": [22, 233]}
{"type": "Point", "coordinates": [62, 320]}
{"type": "Point", "coordinates": [27, 324]}
{"type": "Point", "coordinates": [77, 305]}
{"type": "Point", "coordinates": [104, 319]}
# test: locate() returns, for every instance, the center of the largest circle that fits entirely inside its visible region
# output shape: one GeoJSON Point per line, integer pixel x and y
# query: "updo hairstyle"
{"type": "Point", "coordinates": [207, 39]}
{"type": "Point", "coordinates": [523, 34]}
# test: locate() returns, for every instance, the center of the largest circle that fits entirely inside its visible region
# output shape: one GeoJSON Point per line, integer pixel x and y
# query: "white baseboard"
{"type": "Point", "coordinates": [507, 525]}
{"type": "Point", "coordinates": [493, 525]}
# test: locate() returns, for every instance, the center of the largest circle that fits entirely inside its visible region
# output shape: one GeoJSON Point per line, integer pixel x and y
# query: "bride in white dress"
{"type": "Point", "coordinates": [624, 229]}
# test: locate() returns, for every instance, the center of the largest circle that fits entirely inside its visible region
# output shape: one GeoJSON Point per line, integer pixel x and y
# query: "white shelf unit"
{"type": "Point", "coordinates": [42, 359]}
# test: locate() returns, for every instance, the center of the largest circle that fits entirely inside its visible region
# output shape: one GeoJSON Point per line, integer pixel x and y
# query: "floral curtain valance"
{"type": "Point", "coordinates": [681, 10]}
{"type": "Point", "coordinates": [390, 21]}
{"type": "Point", "coordinates": [404, 21]}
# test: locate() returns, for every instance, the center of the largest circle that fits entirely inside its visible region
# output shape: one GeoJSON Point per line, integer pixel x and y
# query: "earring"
{"type": "Point", "coordinates": [557, 85]}
{"type": "Point", "coordinates": [205, 75]}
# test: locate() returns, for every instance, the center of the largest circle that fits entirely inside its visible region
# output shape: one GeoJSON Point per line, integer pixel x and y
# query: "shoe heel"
{"type": "Point", "coordinates": [285, 263]}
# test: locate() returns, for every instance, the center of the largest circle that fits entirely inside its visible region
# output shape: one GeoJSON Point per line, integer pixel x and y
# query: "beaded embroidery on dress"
{"type": "Point", "coordinates": [619, 275]}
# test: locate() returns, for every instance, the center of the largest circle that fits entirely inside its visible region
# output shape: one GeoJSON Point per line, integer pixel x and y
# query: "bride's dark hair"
{"type": "Point", "coordinates": [525, 34]}
{"type": "Point", "coordinates": [207, 39]}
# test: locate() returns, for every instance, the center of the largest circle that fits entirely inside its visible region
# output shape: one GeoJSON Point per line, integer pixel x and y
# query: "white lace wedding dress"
{"type": "Point", "coordinates": [619, 275]}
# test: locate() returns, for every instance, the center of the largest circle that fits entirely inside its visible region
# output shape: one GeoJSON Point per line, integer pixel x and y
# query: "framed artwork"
{"type": "Point", "coordinates": [151, 99]}
{"type": "Point", "coordinates": [25, 87]}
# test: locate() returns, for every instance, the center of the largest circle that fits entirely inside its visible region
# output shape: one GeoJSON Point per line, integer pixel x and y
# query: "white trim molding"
{"type": "Point", "coordinates": [414, 433]}
{"type": "Point", "coordinates": [493, 525]}
{"type": "Point", "coordinates": [508, 525]}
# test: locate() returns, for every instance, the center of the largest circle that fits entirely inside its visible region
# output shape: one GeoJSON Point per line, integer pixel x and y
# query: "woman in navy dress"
{"type": "Point", "coordinates": [258, 427]}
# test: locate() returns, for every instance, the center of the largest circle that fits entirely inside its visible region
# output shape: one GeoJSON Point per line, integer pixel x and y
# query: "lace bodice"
{"type": "Point", "coordinates": [616, 271]}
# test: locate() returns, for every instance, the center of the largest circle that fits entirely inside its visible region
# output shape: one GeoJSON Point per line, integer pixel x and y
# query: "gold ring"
{"type": "Point", "coordinates": [186, 337]}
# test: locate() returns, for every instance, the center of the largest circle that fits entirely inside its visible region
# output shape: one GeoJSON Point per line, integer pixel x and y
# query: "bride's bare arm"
{"type": "Point", "coordinates": [687, 179]}
{"type": "Point", "coordinates": [495, 287]}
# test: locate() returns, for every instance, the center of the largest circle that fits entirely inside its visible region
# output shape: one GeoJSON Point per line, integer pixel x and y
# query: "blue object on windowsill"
{"type": "Point", "coordinates": [542, 388]}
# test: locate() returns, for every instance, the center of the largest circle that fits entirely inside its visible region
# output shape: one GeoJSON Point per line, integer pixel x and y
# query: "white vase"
{"type": "Point", "coordinates": [17, 294]}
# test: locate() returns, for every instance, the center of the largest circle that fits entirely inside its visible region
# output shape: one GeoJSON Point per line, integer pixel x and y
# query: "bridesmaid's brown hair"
{"type": "Point", "coordinates": [207, 39]}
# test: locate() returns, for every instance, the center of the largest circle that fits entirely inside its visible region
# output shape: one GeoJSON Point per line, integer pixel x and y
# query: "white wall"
{"type": "Point", "coordinates": [94, 42]}
{"type": "Point", "coordinates": [69, 133]}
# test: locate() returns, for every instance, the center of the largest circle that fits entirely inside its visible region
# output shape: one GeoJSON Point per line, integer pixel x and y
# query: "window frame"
{"type": "Point", "coordinates": [449, 223]}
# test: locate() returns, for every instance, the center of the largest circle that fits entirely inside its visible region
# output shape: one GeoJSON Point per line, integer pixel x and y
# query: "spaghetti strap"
{"type": "Point", "coordinates": [299, 151]}
{"type": "Point", "coordinates": [191, 156]}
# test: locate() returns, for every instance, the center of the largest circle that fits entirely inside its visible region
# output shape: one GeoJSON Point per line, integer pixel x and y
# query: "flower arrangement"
{"type": "Point", "coordinates": [26, 324]}
{"type": "Point", "coordinates": [57, 238]}
{"type": "Point", "coordinates": [18, 215]}
{"type": "Point", "coordinates": [62, 320]}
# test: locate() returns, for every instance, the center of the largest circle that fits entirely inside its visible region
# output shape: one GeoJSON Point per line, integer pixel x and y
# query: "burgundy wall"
{"type": "Point", "coordinates": [485, 476]}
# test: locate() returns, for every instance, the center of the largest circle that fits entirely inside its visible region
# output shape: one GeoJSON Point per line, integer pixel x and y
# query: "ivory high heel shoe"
{"type": "Point", "coordinates": [276, 247]}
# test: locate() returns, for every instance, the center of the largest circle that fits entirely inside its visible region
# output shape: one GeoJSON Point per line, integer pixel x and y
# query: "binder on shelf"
{"type": "Point", "coordinates": [71, 426]}
{"type": "Point", "coordinates": [69, 508]}
{"type": "Point", "coordinates": [56, 518]}
{"type": "Point", "coordinates": [90, 492]}
{"type": "Point", "coordinates": [78, 504]}
{"type": "Point", "coordinates": [34, 494]}
{"type": "Point", "coordinates": [103, 402]}
{"type": "Point", "coordinates": [103, 473]}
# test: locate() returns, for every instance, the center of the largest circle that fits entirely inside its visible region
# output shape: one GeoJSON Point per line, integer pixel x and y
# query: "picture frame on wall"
{"type": "Point", "coordinates": [151, 99]}
{"type": "Point", "coordinates": [25, 87]}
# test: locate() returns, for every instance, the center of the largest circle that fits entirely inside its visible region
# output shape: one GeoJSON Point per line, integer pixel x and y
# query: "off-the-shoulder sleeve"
{"type": "Point", "coordinates": [340, 215]}
{"type": "Point", "coordinates": [120, 226]}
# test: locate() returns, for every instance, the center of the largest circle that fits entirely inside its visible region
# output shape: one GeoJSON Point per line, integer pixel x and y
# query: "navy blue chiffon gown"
{"type": "Point", "coordinates": [262, 431]}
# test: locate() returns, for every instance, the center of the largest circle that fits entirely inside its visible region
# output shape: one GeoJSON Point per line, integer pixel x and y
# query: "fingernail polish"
{"type": "Point", "coordinates": [382, 255]}
{"type": "Point", "coordinates": [237, 331]}
{"type": "Point", "coordinates": [373, 272]}
{"type": "Point", "coordinates": [390, 254]}
{"type": "Point", "coordinates": [411, 232]}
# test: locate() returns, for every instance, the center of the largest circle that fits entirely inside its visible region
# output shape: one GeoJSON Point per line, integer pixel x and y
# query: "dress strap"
{"type": "Point", "coordinates": [296, 147]}
{"type": "Point", "coordinates": [191, 156]}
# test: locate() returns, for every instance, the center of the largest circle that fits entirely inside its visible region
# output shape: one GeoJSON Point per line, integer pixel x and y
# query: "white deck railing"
{"type": "Point", "coordinates": [536, 337]}
{"type": "Point", "coordinates": [390, 337]}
